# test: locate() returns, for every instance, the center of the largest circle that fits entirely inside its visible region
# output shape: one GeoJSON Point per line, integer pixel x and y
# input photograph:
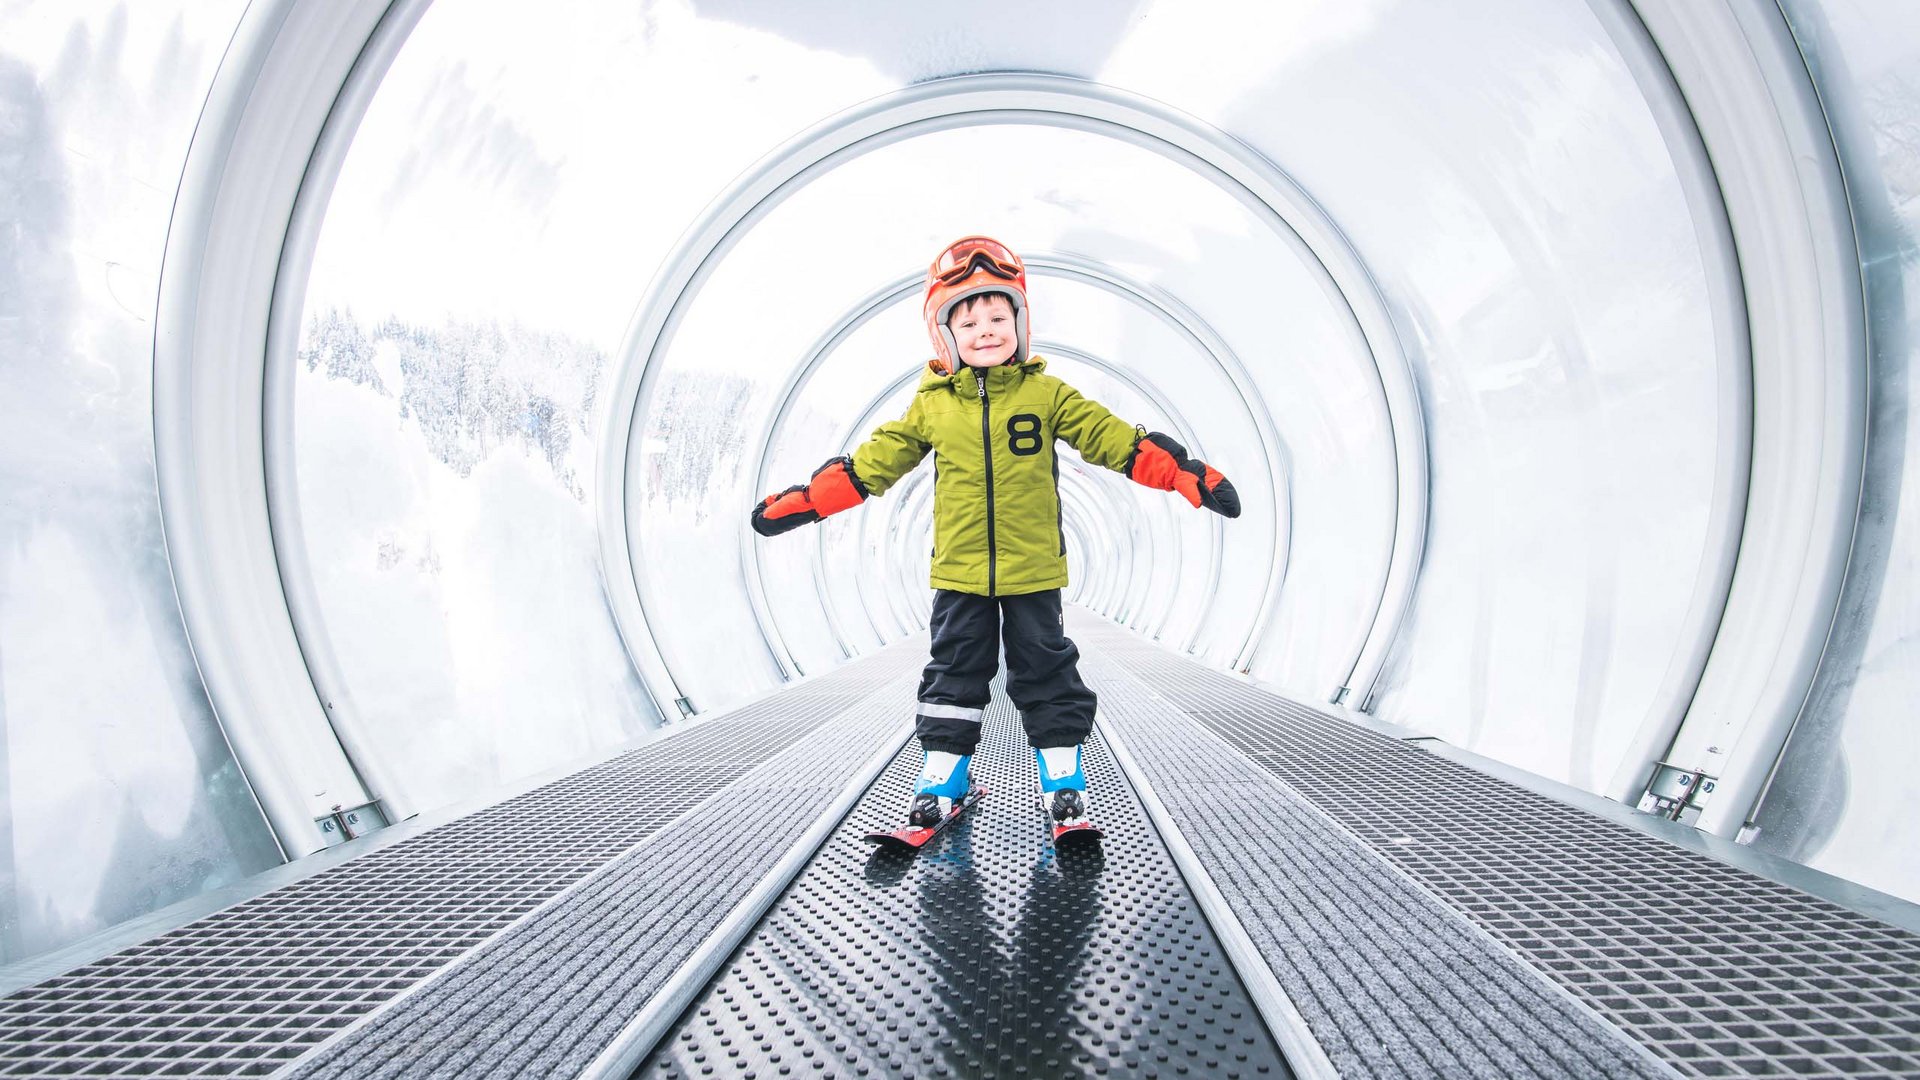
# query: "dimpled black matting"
{"type": "Point", "coordinates": [985, 955]}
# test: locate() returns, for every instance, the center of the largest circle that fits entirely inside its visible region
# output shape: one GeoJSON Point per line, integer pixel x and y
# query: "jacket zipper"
{"type": "Point", "coordinates": [986, 443]}
{"type": "Point", "coordinates": [1059, 516]}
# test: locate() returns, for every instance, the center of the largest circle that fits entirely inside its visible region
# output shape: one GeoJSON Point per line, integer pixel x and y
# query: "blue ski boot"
{"type": "Point", "coordinates": [943, 779]}
{"type": "Point", "coordinates": [1063, 790]}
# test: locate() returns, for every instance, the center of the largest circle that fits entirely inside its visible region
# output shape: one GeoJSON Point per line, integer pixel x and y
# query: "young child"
{"type": "Point", "coordinates": [990, 414]}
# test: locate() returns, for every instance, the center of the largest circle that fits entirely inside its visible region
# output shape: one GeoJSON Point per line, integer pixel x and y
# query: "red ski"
{"type": "Point", "coordinates": [913, 838]}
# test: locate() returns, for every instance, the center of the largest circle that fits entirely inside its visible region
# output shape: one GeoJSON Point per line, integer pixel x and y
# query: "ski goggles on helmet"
{"type": "Point", "coordinates": [960, 258]}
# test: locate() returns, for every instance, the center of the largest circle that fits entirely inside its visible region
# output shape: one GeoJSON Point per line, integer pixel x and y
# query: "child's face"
{"type": "Point", "coordinates": [986, 332]}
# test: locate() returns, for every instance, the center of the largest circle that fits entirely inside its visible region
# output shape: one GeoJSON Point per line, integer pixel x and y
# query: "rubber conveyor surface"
{"type": "Point", "coordinates": [987, 955]}
{"type": "Point", "coordinates": [253, 986]}
{"type": "Point", "coordinates": [1716, 970]}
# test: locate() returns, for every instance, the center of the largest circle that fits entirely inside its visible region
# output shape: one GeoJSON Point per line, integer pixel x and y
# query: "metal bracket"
{"type": "Point", "coordinates": [1672, 791]}
{"type": "Point", "coordinates": [343, 824]}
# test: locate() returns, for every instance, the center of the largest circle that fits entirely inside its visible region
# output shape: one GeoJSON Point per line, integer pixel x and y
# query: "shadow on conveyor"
{"type": "Point", "coordinates": [986, 954]}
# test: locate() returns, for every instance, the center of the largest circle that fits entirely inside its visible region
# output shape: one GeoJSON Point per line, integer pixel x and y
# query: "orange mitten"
{"type": "Point", "coordinates": [1160, 463]}
{"type": "Point", "coordinates": [834, 488]}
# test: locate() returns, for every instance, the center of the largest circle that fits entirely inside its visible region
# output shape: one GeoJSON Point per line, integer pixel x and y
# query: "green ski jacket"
{"type": "Point", "coordinates": [996, 496]}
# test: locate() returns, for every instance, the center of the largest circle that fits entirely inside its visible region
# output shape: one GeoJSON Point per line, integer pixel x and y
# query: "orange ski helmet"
{"type": "Point", "coordinates": [967, 267]}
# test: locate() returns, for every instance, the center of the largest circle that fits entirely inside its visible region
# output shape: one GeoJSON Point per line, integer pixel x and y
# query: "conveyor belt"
{"type": "Point", "coordinates": [1423, 918]}
{"type": "Point", "coordinates": [260, 982]}
{"type": "Point", "coordinates": [986, 955]}
{"type": "Point", "coordinates": [1716, 970]}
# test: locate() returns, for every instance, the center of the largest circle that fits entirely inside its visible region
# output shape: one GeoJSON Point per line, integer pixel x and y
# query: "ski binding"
{"type": "Point", "coordinates": [912, 837]}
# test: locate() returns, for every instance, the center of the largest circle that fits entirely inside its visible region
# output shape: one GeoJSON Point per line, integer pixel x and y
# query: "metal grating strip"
{"type": "Point", "coordinates": [1719, 971]}
{"type": "Point", "coordinates": [260, 982]}
{"type": "Point", "coordinates": [1391, 980]}
{"type": "Point", "coordinates": [984, 956]}
{"type": "Point", "coordinates": [548, 994]}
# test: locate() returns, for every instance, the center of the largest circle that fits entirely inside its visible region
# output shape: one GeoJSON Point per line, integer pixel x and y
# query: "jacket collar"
{"type": "Point", "coordinates": [964, 381]}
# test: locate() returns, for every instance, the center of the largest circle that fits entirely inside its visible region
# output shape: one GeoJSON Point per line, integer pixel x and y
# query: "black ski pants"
{"type": "Point", "coordinates": [1043, 676]}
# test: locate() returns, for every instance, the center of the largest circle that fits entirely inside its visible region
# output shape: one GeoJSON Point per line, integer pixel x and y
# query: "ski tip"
{"type": "Point", "coordinates": [1075, 835]}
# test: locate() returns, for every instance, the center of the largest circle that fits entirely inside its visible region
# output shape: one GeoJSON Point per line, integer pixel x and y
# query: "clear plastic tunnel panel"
{"type": "Point", "coordinates": [464, 301]}
{"type": "Point", "coordinates": [1845, 795]}
{"type": "Point", "coordinates": [1545, 272]}
{"type": "Point", "coordinates": [118, 794]}
{"type": "Point", "coordinates": [481, 256]}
